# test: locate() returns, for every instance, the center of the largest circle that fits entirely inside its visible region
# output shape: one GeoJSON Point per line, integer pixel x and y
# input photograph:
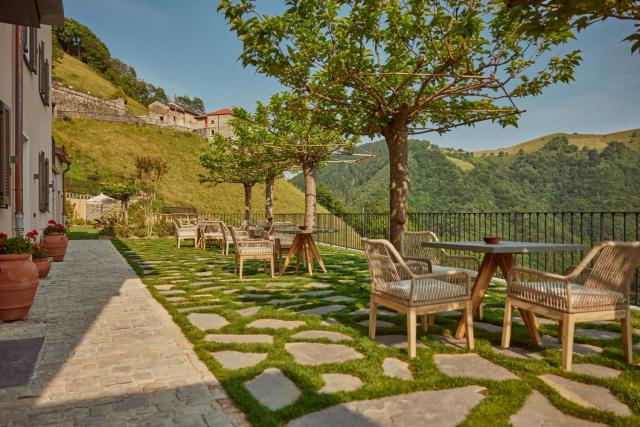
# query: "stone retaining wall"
{"type": "Point", "coordinates": [66, 98]}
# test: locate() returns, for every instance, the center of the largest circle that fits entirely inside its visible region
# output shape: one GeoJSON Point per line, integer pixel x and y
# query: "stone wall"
{"type": "Point", "coordinates": [68, 99]}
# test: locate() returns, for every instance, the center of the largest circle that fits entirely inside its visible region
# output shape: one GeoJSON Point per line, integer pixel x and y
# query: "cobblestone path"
{"type": "Point", "coordinates": [112, 356]}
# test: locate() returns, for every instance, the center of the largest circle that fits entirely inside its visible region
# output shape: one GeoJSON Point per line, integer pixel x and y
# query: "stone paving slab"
{"type": "Point", "coordinates": [471, 365]}
{"type": "Point", "coordinates": [262, 389]}
{"type": "Point", "coordinates": [379, 324]}
{"type": "Point", "coordinates": [239, 339]}
{"type": "Point", "coordinates": [206, 321]}
{"type": "Point", "coordinates": [442, 408]}
{"type": "Point", "coordinates": [395, 341]}
{"type": "Point", "coordinates": [275, 324]}
{"type": "Point", "coordinates": [581, 349]}
{"type": "Point", "coordinates": [517, 352]}
{"type": "Point", "coordinates": [112, 355]}
{"type": "Point", "coordinates": [598, 334]}
{"type": "Point", "coordinates": [396, 368]}
{"type": "Point", "coordinates": [597, 371]}
{"type": "Point", "coordinates": [334, 383]}
{"type": "Point", "coordinates": [537, 411]}
{"type": "Point", "coordinates": [328, 335]}
{"type": "Point", "coordinates": [313, 354]}
{"type": "Point", "coordinates": [249, 311]}
{"type": "Point", "coordinates": [322, 310]}
{"type": "Point", "coordinates": [238, 359]}
{"type": "Point", "coordinates": [587, 395]}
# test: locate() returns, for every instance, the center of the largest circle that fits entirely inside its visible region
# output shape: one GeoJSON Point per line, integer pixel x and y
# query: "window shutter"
{"type": "Point", "coordinates": [45, 190]}
{"type": "Point", "coordinates": [41, 182]}
{"type": "Point", "coordinates": [33, 49]}
{"type": "Point", "coordinates": [44, 72]}
{"type": "Point", "coordinates": [40, 67]}
{"type": "Point", "coordinates": [5, 156]}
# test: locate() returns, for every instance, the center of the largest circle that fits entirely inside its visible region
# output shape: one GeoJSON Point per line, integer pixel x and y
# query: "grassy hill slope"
{"type": "Point", "coordinates": [80, 76]}
{"type": "Point", "coordinates": [107, 151]}
{"type": "Point", "coordinates": [598, 142]}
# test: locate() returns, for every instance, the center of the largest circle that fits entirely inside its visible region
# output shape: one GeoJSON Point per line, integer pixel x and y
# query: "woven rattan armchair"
{"type": "Point", "coordinates": [282, 241]}
{"type": "Point", "coordinates": [185, 232]}
{"type": "Point", "coordinates": [438, 259]}
{"type": "Point", "coordinates": [602, 295]}
{"type": "Point", "coordinates": [410, 288]}
{"type": "Point", "coordinates": [228, 238]}
{"type": "Point", "coordinates": [210, 231]}
{"type": "Point", "coordinates": [251, 249]}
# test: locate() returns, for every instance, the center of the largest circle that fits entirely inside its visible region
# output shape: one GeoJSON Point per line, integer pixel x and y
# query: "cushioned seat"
{"type": "Point", "coordinates": [443, 269]}
{"type": "Point", "coordinates": [437, 288]}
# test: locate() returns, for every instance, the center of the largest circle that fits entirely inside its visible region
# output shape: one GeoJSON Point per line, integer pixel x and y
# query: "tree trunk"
{"type": "Point", "coordinates": [268, 203]}
{"type": "Point", "coordinates": [395, 136]}
{"type": "Point", "coordinates": [247, 201]}
{"type": "Point", "coordinates": [125, 212]}
{"type": "Point", "coordinates": [309, 172]}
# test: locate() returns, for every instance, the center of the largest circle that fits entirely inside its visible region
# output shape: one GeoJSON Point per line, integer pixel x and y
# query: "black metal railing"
{"type": "Point", "coordinates": [585, 228]}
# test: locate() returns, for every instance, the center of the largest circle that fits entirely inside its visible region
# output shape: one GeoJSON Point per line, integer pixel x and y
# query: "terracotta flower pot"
{"type": "Point", "coordinates": [18, 284]}
{"type": "Point", "coordinates": [56, 245]}
{"type": "Point", "coordinates": [44, 267]}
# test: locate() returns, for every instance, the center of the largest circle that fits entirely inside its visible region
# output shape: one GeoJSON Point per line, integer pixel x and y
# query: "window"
{"type": "Point", "coordinates": [43, 182]}
{"type": "Point", "coordinates": [30, 47]}
{"type": "Point", "coordinates": [5, 156]}
{"type": "Point", "coordinates": [43, 65]}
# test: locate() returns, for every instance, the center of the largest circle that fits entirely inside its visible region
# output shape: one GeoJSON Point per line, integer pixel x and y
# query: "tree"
{"type": "Point", "coordinates": [229, 161]}
{"type": "Point", "coordinates": [196, 104]}
{"type": "Point", "coordinates": [123, 193]}
{"type": "Point", "coordinates": [149, 172]}
{"type": "Point", "coordinates": [304, 137]}
{"type": "Point", "coordinates": [540, 16]}
{"type": "Point", "coordinates": [79, 41]}
{"type": "Point", "coordinates": [252, 136]}
{"type": "Point", "coordinates": [396, 67]}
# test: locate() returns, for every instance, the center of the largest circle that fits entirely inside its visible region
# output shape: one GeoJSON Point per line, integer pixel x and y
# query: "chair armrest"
{"type": "Point", "coordinates": [409, 259]}
{"type": "Point", "coordinates": [254, 243]}
{"type": "Point", "coordinates": [528, 272]}
{"type": "Point", "coordinates": [462, 261]}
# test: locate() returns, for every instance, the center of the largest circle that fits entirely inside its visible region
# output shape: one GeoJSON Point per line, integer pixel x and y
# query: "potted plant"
{"type": "Point", "coordinates": [39, 255]}
{"type": "Point", "coordinates": [55, 240]}
{"type": "Point", "coordinates": [18, 278]}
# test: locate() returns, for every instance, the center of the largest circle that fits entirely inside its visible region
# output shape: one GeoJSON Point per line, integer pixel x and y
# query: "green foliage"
{"type": "Point", "coordinates": [329, 200]}
{"type": "Point", "coordinates": [381, 66]}
{"type": "Point", "coordinates": [558, 177]}
{"type": "Point", "coordinates": [121, 192]}
{"type": "Point", "coordinates": [79, 41]}
{"type": "Point", "coordinates": [541, 16]}
{"type": "Point", "coordinates": [196, 104]}
{"type": "Point", "coordinates": [14, 245]}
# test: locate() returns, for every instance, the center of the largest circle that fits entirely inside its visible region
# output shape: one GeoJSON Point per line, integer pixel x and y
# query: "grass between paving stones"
{"type": "Point", "coordinates": [346, 272]}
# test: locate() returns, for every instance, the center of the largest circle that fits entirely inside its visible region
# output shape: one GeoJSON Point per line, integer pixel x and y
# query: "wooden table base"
{"type": "Point", "coordinates": [303, 244]}
{"type": "Point", "coordinates": [488, 268]}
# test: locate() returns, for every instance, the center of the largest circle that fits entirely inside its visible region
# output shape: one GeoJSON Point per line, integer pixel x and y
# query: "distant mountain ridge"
{"type": "Point", "coordinates": [555, 172]}
{"type": "Point", "coordinates": [596, 141]}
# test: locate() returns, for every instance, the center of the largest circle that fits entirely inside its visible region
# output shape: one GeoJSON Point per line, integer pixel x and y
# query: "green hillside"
{"type": "Point", "coordinates": [597, 142]}
{"type": "Point", "coordinates": [105, 152]}
{"type": "Point", "coordinates": [556, 176]}
{"type": "Point", "coordinates": [75, 73]}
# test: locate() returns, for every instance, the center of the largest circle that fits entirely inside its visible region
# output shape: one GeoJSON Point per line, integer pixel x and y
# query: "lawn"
{"type": "Point", "coordinates": [83, 232]}
{"type": "Point", "coordinates": [209, 286]}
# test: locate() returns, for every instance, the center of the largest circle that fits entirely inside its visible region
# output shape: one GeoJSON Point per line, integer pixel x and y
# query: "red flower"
{"type": "Point", "coordinates": [32, 234]}
{"type": "Point", "coordinates": [52, 221]}
{"type": "Point", "coordinates": [3, 235]}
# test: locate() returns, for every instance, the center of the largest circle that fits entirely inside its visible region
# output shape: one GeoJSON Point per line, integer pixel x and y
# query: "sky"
{"type": "Point", "coordinates": [186, 47]}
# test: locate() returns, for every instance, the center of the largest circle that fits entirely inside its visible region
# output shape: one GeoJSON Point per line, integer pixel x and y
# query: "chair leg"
{"type": "Point", "coordinates": [424, 322]}
{"type": "Point", "coordinates": [373, 313]}
{"type": "Point", "coordinates": [506, 324]}
{"type": "Point", "coordinates": [560, 331]}
{"type": "Point", "coordinates": [178, 239]}
{"type": "Point", "coordinates": [411, 333]}
{"type": "Point", "coordinates": [480, 312]}
{"type": "Point", "coordinates": [272, 267]}
{"type": "Point", "coordinates": [241, 265]}
{"type": "Point", "coordinates": [432, 319]}
{"type": "Point", "coordinates": [468, 325]}
{"type": "Point", "coordinates": [235, 265]}
{"type": "Point", "coordinates": [627, 342]}
{"type": "Point", "coordinates": [568, 326]}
